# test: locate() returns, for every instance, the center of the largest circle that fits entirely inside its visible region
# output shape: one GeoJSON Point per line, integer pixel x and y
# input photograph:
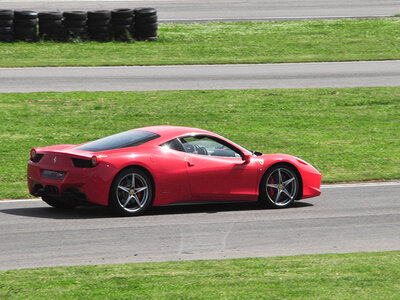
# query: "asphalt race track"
{"type": "Point", "coordinates": [301, 75]}
{"type": "Point", "coordinates": [345, 218]}
{"type": "Point", "coordinates": [224, 10]}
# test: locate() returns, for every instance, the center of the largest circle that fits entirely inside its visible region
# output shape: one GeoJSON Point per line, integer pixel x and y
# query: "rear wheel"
{"type": "Point", "coordinates": [279, 187]}
{"type": "Point", "coordinates": [58, 203]}
{"type": "Point", "coordinates": [131, 192]}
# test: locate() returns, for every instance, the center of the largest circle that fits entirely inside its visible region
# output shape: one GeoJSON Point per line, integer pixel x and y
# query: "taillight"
{"type": "Point", "coordinates": [35, 157]}
{"type": "Point", "coordinates": [33, 154]}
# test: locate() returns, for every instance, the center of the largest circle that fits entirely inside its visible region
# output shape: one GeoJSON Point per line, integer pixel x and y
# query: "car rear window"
{"type": "Point", "coordinates": [125, 139]}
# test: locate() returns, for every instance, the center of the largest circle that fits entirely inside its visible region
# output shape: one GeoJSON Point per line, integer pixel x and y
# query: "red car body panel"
{"type": "Point", "coordinates": [177, 176]}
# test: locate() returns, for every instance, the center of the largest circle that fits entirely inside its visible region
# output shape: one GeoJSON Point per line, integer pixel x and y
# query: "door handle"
{"type": "Point", "coordinates": [190, 164]}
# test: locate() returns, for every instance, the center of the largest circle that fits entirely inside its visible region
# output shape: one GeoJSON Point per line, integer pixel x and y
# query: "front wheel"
{"type": "Point", "coordinates": [131, 192]}
{"type": "Point", "coordinates": [279, 187]}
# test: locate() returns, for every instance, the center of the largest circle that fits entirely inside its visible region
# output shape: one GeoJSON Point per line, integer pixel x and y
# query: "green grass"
{"type": "Point", "coordinates": [236, 42]}
{"type": "Point", "coordinates": [348, 134]}
{"type": "Point", "coordinates": [335, 276]}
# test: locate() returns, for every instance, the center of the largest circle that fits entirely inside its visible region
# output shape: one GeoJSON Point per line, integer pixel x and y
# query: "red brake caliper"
{"type": "Point", "coordinates": [271, 191]}
{"type": "Point", "coordinates": [139, 195]}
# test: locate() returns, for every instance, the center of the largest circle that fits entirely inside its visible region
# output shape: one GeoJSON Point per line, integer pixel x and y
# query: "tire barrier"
{"type": "Point", "coordinates": [50, 26]}
{"type": "Point", "coordinates": [99, 22]}
{"type": "Point", "coordinates": [6, 25]}
{"type": "Point", "coordinates": [146, 24]}
{"type": "Point", "coordinates": [75, 24]}
{"type": "Point", "coordinates": [122, 24]}
{"type": "Point", "coordinates": [25, 25]}
{"type": "Point", "coordinates": [98, 25]}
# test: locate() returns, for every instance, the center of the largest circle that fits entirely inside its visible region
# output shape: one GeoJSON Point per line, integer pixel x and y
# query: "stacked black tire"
{"type": "Point", "coordinates": [50, 26]}
{"type": "Point", "coordinates": [100, 25]}
{"type": "Point", "coordinates": [6, 25]}
{"type": "Point", "coordinates": [99, 22]}
{"type": "Point", "coordinates": [122, 24]}
{"type": "Point", "coordinates": [146, 24]}
{"type": "Point", "coordinates": [25, 25]}
{"type": "Point", "coordinates": [75, 24]}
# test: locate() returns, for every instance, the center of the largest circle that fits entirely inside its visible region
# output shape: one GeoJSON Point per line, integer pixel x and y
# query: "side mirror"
{"type": "Point", "coordinates": [246, 157]}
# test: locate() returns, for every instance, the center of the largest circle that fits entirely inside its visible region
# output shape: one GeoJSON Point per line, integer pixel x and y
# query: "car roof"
{"type": "Point", "coordinates": [169, 131]}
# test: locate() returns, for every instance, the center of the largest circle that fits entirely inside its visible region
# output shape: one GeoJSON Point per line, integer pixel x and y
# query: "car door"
{"type": "Point", "coordinates": [172, 179]}
{"type": "Point", "coordinates": [217, 171]}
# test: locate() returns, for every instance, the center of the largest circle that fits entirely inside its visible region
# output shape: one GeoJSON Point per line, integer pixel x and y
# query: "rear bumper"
{"type": "Point", "coordinates": [78, 185]}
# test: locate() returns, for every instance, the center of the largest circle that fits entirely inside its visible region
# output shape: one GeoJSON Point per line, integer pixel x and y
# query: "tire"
{"type": "Point", "coordinates": [76, 30]}
{"type": "Point", "coordinates": [93, 23]}
{"type": "Point", "coordinates": [6, 30]}
{"type": "Point", "coordinates": [50, 15]}
{"type": "Point", "coordinates": [28, 37]}
{"type": "Point", "coordinates": [279, 187]}
{"type": "Point", "coordinates": [25, 23]}
{"type": "Point", "coordinates": [99, 29]}
{"type": "Point", "coordinates": [146, 20]}
{"type": "Point", "coordinates": [6, 23]}
{"type": "Point", "coordinates": [50, 23]}
{"type": "Point", "coordinates": [125, 21]}
{"type": "Point", "coordinates": [25, 14]}
{"type": "Point", "coordinates": [75, 15]}
{"type": "Point", "coordinates": [147, 27]}
{"type": "Point", "coordinates": [51, 31]}
{"type": "Point", "coordinates": [121, 13]}
{"type": "Point", "coordinates": [58, 203]}
{"type": "Point", "coordinates": [122, 28]}
{"type": "Point", "coordinates": [128, 200]}
{"type": "Point", "coordinates": [75, 23]}
{"type": "Point", "coordinates": [6, 37]}
{"type": "Point", "coordinates": [145, 11]}
{"type": "Point", "coordinates": [25, 30]}
{"type": "Point", "coordinates": [55, 27]}
{"type": "Point", "coordinates": [99, 15]}
{"type": "Point", "coordinates": [6, 14]}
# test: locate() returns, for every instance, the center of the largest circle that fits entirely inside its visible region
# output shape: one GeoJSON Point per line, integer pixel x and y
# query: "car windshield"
{"type": "Point", "coordinates": [125, 139]}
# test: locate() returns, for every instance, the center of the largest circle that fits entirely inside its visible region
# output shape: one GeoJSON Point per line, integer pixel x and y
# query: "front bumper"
{"type": "Point", "coordinates": [311, 182]}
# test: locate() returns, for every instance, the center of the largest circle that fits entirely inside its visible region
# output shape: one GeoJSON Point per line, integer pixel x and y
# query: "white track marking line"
{"type": "Point", "coordinates": [212, 66]}
{"type": "Point", "coordinates": [276, 18]}
{"type": "Point", "coordinates": [20, 200]}
{"type": "Point", "coordinates": [328, 63]}
{"type": "Point", "coordinates": [359, 184]}
{"type": "Point", "coordinates": [324, 186]}
{"type": "Point", "coordinates": [33, 1]}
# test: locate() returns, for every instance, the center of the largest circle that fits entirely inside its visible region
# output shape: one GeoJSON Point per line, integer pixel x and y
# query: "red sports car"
{"type": "Point", "coordinates": [161, 165]}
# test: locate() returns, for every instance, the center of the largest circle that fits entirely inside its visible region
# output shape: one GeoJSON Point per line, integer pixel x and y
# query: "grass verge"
{"type": "Point", "coordinates": [335, 276]}
{"type": "Point", "coordinates": [348, 134]}
{"type": "Point", "coordinates": [236, 42]}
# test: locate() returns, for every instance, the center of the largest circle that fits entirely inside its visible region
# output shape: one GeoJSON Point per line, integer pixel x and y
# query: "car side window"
{"type": "Point", "coordinates": [174, 144]}
{"type": "Point", "coordinates": [204, 145]}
